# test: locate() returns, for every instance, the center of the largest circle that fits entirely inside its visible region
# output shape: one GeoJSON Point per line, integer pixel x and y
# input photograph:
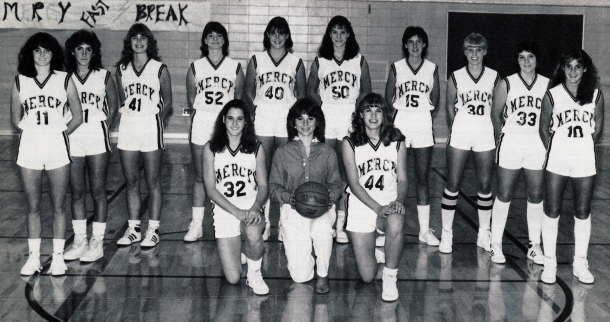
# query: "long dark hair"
{"type": "Point", "coordinates": [415, 31]}
{"type": "Point", "coordinates": [127, 54]}
{"type": "Point", "coordinates": [83, 37]}
{"type": "Point", "coordinates": [387, 133]}
{"type": "Point", "coordinates": [351, 45]}
{"type": "Point", "coordinates": [529, 46]}
{"type": "Point", "coordinates": [310, 107]}
{"type": "Point", "coordinates": [589, 81]}
{"type": "Point", "coordinates": [220, 139]}
{"type": "Point", "coordinates": [26, 66]}
{"type": "Point", "coordinates": [280, 25]}
{"type": "Point", "coordinates": [217, 27]}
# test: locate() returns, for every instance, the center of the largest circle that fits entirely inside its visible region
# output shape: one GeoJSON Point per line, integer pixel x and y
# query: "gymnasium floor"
{"type": "Point", "coordinates": [179, 281]}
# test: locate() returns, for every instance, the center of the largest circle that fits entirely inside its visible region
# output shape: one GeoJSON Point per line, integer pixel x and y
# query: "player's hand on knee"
{"type": "Point", "coordinates": [398, 207]}
{"type": "Point", "coordinates": [253, 217]}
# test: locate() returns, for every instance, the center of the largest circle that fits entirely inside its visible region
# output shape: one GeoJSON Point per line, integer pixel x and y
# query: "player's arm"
{"type": "Point", "coordinates": [546, 113]}
{"type": "Point", "coordinates": [191, 87]}
{"type": "Point", "coordinates": [401, 177]}
{"type": "Point", "coordinates": [209, 181]}
{"type": "Point", "coordinates": [333, 180]}
{"type": "Point", "coordinates": [112, 99]}
{"type": "Point", "coordinates": [250, 87]}
{"type": "Point", "coordinates": [435, 95]}
{"type": "Point", "coordinates": [239, 84]}
{"type": "Point", "coordinates": [390, 87]}
{"type": "Point", "coordinates": [277, 180]}
{"type": "Point", "coordinates": [497, 107]}
{"type": "Point", "coordinates": [365, 81]}
{"type": "Point", "coordinates": [301, 83]}
{"type": "Point", "coordinates": [254, 213]}
{"type": "Point", "coordinates": [16, 110]}
{"type": "Point", "coordinates": [119, 84]}
{"type": "Point", "coordinates": [599, 117]}
{"type": "Point", "coordinates": [166, 93]}
{"type": "Point", "coordinates": [313, 82]}
{"type": "Point", "coordinates": [75, 107]}
{"type": "Point", "coordinates": [450, 102]}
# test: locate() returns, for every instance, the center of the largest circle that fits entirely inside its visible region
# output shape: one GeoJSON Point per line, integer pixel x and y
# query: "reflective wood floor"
{"type": "Point", "coordinates": [179, 281]}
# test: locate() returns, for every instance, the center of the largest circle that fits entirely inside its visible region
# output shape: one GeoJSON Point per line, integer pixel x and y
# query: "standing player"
{"type": "Point", "coordinates": [146, 100]}
{"type": "Point", "coordinates": [90, 143]}
{"type": "Point", "coordinates": [469, 96]}
{"type": "Point", "coordinates": [571, 121]}
{"type": "Point", "coordinates": [413, 90]}
{"type": "Point", "coordinates": [339, 78]}
{"type": "Point", "coordinates": [515, 114]}
{"type": "Point", "coordinates": [275, 79]}
{"type": "Point", "coordinates": [235, 177]}
{"type": "Point", "coordinates": [211, 82]}
{"type": "Point", "coordinates": [40, 95]}
{"type": "Point", "coordinates": [375, 156]}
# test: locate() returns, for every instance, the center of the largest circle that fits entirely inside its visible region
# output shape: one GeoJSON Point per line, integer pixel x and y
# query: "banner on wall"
{"type": "Point", "coordinates": [184, 16]}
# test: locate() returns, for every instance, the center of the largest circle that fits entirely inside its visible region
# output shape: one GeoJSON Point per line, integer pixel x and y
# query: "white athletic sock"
{"type": "Point", "coordinates": [153, 224]}
{"type": "Point", "coordinates": [582, 233]}
{"type": "Point", "coordinates": [390, 271]}
{"type": "Point", "coordinates": [58, 245]}
{"type": "Point", "coordinates": [499, 214]}
{"type": "Point", "coordinates": [535, 212]}
{"type": "Point", "coordinates": [133, 223]}
{"type": "Point", "coordinates": [448, 205]}
{"type": "Point", "coordinates": [34, 245]}
{"type": "Point", "coordinates": [550, 228]}
{"type": "Point", "coordinates": [80, 227]}
{"type": "Point", "coordinates": [484, 204]}
{"type": "Point", "coordinates": [254, 265]}
{"type": "Point", "coordinates": [198, 213]}
{"type": "Point", "coordinates": [99, 230]}
{"type": "Point", "coordinates": [423, 215]}
{"type": "Point", "coordinates": [267, 210]}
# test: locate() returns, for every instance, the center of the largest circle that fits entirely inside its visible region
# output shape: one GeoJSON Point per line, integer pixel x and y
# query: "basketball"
{"type": "Point", "coordinates": [311, 199]}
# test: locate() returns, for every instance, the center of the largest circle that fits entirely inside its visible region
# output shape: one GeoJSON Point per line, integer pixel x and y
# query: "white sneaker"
{"type": "Point", "coordinates": [95, 251]}
{"type": "Point", "coordinates": [429, 238]}
{"type": "Point", "coordinates": [390, 291]}
{"type": "Point", "coordinates": [79, 247]}
{"type": "Point", "coordinates": [195, 232]}
{"type": "Point", "coordinates": [581, 270]}
{"type": "Point", "coordinates": [341, 234]}
{"type": "Point", "coordinates": [549, 274]}
{"type": "Point", "coordinates": [151, 239]}
{"type": "Point", "coordinates": [58, 266]}
{"type": "Point", "coordinates": [380, 241]}
{"type": "Point", "coordinates": [484, 240]}
{"type": "Point", "coordinates": [496, 254]}
{"type": "Point", "coordinates": [267, 231]}
{"type": "Point", "coordinates": [255, 281]}
{"type": "Point", "coordinates": [379, 256]}
{"type": "Point", "coordinates": [132, 235]}
{"type": "Point", "coordinates": [535, 253]}
{"type": "Point", "coordinates": [446, 243]}
{"type": "Point", "coordinates": [32, 265]}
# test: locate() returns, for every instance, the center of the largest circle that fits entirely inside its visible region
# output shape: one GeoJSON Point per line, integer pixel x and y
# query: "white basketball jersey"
{"type": "Point", "coordinates": [523, 103]}
{"type": "Point", "coordinates": [142, 88]}
{"type": "Point", "coordinates": [92, 94]}
{"type": "Point", "coordinates": [215, 83]}
{"type": "Point", "coordinates": [339, 80]}
{"type": "Point", "coordinates": [474, 99]}
{"type": "Point", "coordinates": [236, 176]}
{"type": "Point", "coordinates": [376, 165]}
{"type": "Point", "coordinates": [413, 85]}
{"type": "Point", "coordinates": [43, 103]}
{"type": "Point", "coordinates": [569, 118]}
{"type": "Point", "coordinates": [275, 81]}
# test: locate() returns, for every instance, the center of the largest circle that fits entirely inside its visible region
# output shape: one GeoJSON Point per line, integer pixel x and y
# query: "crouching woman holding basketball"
{"type": "Point", "coordinates": [305, 158]}
{"type": "Point", "coordinates": [235, 179]}
{"type": "Point", "coordinates": [375, 159]}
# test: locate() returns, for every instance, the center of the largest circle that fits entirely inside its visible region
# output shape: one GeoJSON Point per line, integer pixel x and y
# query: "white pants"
{"type": "Point", "coordinates": [300, 234]}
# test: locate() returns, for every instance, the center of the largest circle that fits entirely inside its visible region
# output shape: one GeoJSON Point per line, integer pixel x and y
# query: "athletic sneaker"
{"type": "Point", "coordinates": [380, 241]}
{"type": "Point", "coordinates": [151, 239]}
{"type": "Point", "coordinates": [549, 275]}
{"type": "Point", "coordinates": [32, 265]}
{"type": "Point", "coordinates": [79, 247]}
{"type": "Point", "coordinates": [255, 281]}
{"type": "Point", "coordinates": [341, 234]}
{"type": "Point", "coordinates": [484, 239]}
{"type": "Point", "coordinates": [267, 231]}
{"type": "Point", "coordinates": [429, 238]}
{"type": "Point", "coordinates": [446, 242]}
{"type": "Point", "coordinates": [535, 253]}
{"type": "Point", "coordinates": [132, 235]}
{"type": "Point", "coordinates": [95, 251]}
{"type": "Point", "coordinates": [496, 254]}
{"type": "Point", "coordinates": [390, 291]}
{"type": "Point", "coordinates": [581, 270]}
{"type": "Point", "coordinates": [58, 266]}
{"type": "Point", "coordinates": [195, 232]}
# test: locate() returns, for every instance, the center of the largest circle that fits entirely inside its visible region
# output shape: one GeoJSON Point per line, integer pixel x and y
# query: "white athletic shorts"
{"type": "Point", "coordinates": [202, 127]}
{"type": "Point", "coordinates": [43, 150]}
{"type": "Point", "coordinates": [472, 137]}
{"type": "Point", "coordinates": [516, 151]}
{"type": "Point", "coordinates": [270, 120]}
{"type": "Point", "coordinates": [360, 218]}
{"type": "Point", "coordinates": [90, 139]}
{"type": "Point", "coordinates": [225, 224]}
{"type": "Point", "coordinates": [141, 133]}
{"type": "Point", "coordinates": [338, 120]}
{"type": "Point", "coordinates": [571, 157]}
{"type": "Point", "coordinates": [416, 127]}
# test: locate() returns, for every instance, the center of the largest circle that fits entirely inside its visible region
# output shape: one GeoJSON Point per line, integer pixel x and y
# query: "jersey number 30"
{"type": "Point", "coordinates": [369, 183]}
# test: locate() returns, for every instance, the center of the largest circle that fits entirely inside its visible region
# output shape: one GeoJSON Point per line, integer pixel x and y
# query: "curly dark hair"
{"type": "Point", "coordinates": [26, 66]}
{"type": "Point", "coordinates": [387, 133]}
{"type": "Point", "coordinates": [351, 45]}
{"type": "Point", "coordinates": [529, 46]}
{"type": "Point", "coordinates": [280, 25]}
{"type": "Point", "coordinates": [220, 139]}
{"type": "Point", "coordinates": [311, 108]}
{"type": "Point", "coordinates": [127, 53]}
{"type": "Point", "coordinates": [589, 81]}
{"type": "Point", "coordinates": [217, 27]}
{"type": "Point", "coordinates": [83, 37]}
{"type": "Point", "coordinates": [415, 31]}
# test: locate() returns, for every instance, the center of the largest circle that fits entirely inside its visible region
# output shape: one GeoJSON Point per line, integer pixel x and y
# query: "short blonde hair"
{"type": "Point", "coordinates": [475, 39]}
